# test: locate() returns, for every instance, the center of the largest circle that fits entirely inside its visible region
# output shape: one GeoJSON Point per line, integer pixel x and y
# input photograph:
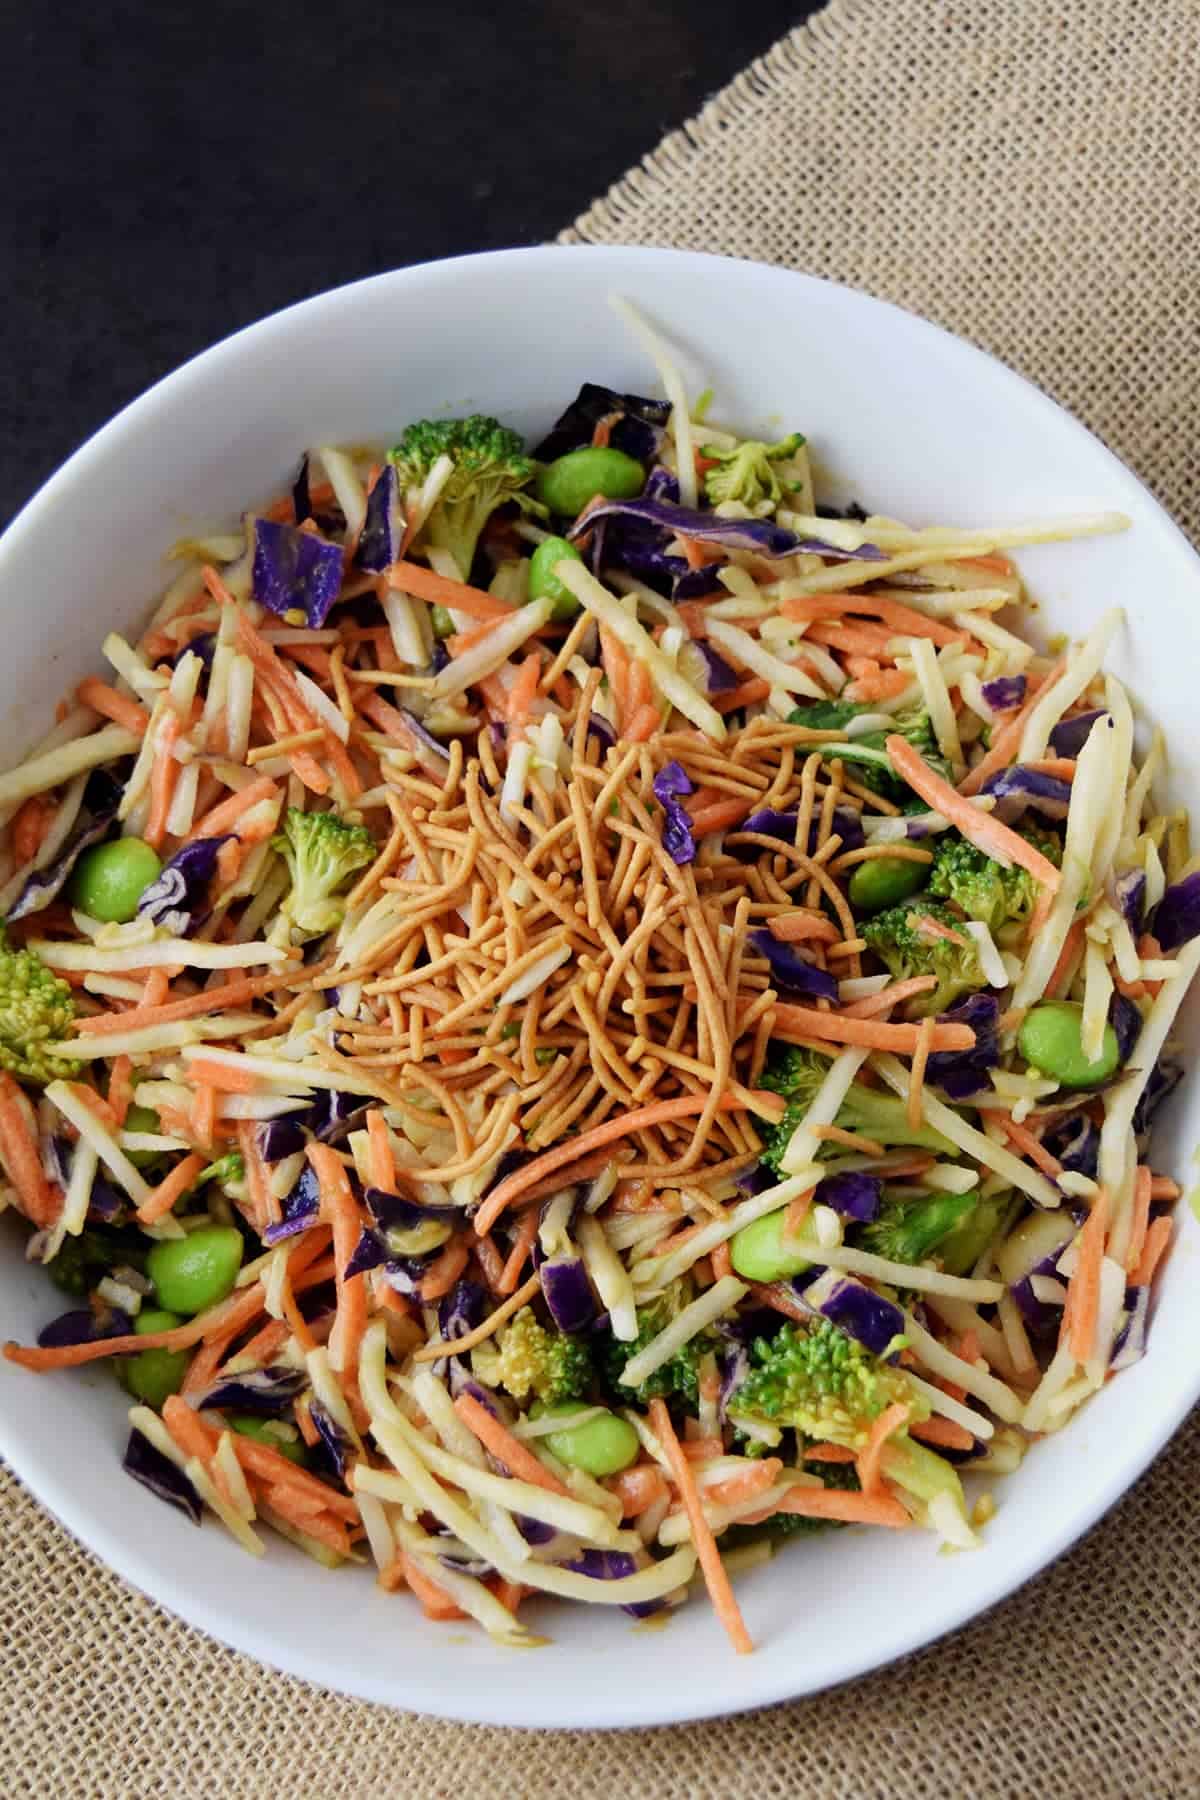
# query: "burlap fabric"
{"type": "Point", "coordinates": [1023, 173]}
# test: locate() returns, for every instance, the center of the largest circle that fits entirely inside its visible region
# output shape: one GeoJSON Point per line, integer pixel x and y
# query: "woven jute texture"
{"type": "Point", "coordinates": [1023, 172]}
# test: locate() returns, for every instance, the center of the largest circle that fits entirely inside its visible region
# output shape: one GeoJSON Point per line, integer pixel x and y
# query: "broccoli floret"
{"type": "Point", "coordinates": [962, 1247]}
{"type": "Point", "coordinates": [907, 1231]}
{"type": "Point", "coordinates": [322, 852]}
{"type": "Point", "coordinates": [746, 473]}
{"type": "Point", "coordinates": [527, 1358]}
{"type": "Point", "coordinates": [490, 468]}
{"type": "Point", "coordinates": [908, 948]}
{"type": "Point", "coordinates": [229, 1172]}
{"type": "Point", "coordinates": [36, 1010]}
{"type": "Point", "coordinates": [676, 1379]}
{"type": "Point", "coordinates": [866, 756]}
{"type": "Point", "coordinates": [981, 887]}
{"type": "Point", "coordinates": [822, 1383]}
{"type": "Point", "coordinates": [797, 1073]}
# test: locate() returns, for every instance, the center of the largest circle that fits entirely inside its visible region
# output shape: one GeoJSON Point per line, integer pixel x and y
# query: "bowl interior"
{"type": "Point", "coordinates": [903, 417]}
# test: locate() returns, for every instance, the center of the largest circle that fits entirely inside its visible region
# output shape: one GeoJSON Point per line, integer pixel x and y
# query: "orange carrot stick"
{"type": "Point", "coordinates": [230, 993]}
{"type": "Point", "coordinates": [720, 815]}
{"type": "Point", "coordinates": [438, 590]}
{"type": "Point", "coordinates": [944, 1433]}
{"type": "Point", "coordinates": [715, 1578]}
{"type": "Point", "coordinates": [19, 1152]}
{"type": "Point", "coordinates": [639, 1489]}
{"type": "Point", "coordinates": [660, 1112]}
{"type": "Point", "coordinates": [1007, 741]}
{"type": "Point", "coordinates": [235, 1313]}
{"type": "Point", "coordinates": [746, 1483]}
{"type": "Point", "coordinates": [221, 1075]}
{"type": "Point", "coordinates": [835, 1503]}
{"type": "Point", "coordinates": [792, 1021]}
{"type": "Point", "coordinates": [1022, 1139]}
{"type": "Point", "coordinates": [888, 997]}
{"type": "Point", "coordinates": [891, 1419]}
{"type": "Point", "coordinates": [797, 1212]}
{"type": "Point", "coordinates": [203, 1116]}
{"type": "Point", "coordinates": [829, 1453]}
{"type": "Point", "coordinates": [188, 1429]}
{"type": "Point", "coordinates": [267, 1210]}
{"type": "Point", "coordinates": [173, 1186]}
{"type": "Point", "coordinates": [905, 621]}
{"type": "Point", "coordinates": [1068, 956]}
{"type": "Point", "coordinates": [120, 1089]}
{"type": "Point", "coordinates": [518, 1256]}
{"type": "Point", "coordinates": [339, 1209]}
{"type": "Point", "coordinates": [1083, 1296]}
{"type": "Point", "coordinates": [30, 823]}
{"type": "Point", "coordinates": [381, 1160]}
{"type": "Point", "coordinates": [1157, 1239]}
{"type": "Point", "coordinates": [877, 684]}
{"type": "Point", "coordinates": [224, 817]}
{"type": "Point", "coordinates": [522, 692]}
{"type": "Point", "coordinates": [162, 781]}
{"type": "Point", "coordinates": [745, 694]}
{"type": "Point", "coordinates": [798, 927]}
{"type": "Point", "coordinates": [986, 832]}
{"type": "Point", "coordinates": [271, 1465]}
{"type": "Point", "coordinates": [435, 1601]}
{"type": "Point", "coordinates": [110, 705]}
{"type": "Point", "coordinates": [642, 724]}
{"type": "Point", "coordinates": [444, 1270]}
{"type": "Point", "coordinates": [1140, 1225]}
{"type": "Point", "coordinates": [519, 1461]}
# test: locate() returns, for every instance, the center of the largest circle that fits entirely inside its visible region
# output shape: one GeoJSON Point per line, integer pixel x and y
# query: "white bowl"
{"type": "Point", "coordinates": [911, 421]}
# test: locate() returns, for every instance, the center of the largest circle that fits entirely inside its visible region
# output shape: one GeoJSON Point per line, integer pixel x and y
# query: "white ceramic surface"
{"type": "Point", "coordinates": [904, 417]}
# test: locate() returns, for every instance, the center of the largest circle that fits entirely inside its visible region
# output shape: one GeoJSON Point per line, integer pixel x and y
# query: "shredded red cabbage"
{"type": "Point", "coordinates": [295, 570]}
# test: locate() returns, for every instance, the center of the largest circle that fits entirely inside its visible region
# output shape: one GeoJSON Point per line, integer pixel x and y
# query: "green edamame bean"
{"type": "Point", "coordinates": [1051, 1039]}
{"type": "Point", "coordinates": [543, 580]}
{"type": "Point", "coordinates": [760, 1252]}
{"type": "Point", "coordinates": [153, 1375]}
{"type": "Point", "coordinates": [192, 1273]}
{"type": "Point", "coordinates": [602, 1446]}
{"type": "Point", "coordinates": [442, 620]}
{"type": "Point", "coordinates": [265, 1431]}
{"type": "Point", "coordinates": [885, 881]}
{"type": "Point", "coordinates": [109, 880]}
{"type": "Point", "coordinates": [569, 482]}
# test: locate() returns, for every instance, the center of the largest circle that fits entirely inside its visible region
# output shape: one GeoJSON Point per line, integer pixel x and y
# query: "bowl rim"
{"type": "Point", "coordinates": [468, 1703]}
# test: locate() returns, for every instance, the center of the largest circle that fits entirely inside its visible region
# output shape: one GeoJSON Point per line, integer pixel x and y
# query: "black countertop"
{"type": "Point", "coordinates": [176, 172]}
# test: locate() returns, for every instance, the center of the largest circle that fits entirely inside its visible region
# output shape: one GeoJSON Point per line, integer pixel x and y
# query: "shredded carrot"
{"type": "Point", "coordinates": [1068, 956]}
{"type": "Point", "coordinates": [701, 1449]}
{"type": "Point", "coordinates": [1163, 1188]}
{"type": "Point", "coordinates": [461, 641]}
{"type": "Point", "coordinates": [722, 1262]}
{"type": "Point", "coordinates": [509, 1593]}
{"type": "Point", "coordinates": [258, 1180]}
{"type": "Point", "coordinates": [715, 1578]}
{"type": "Point", "coordinates": [445, 1270]}
{"type": "Point", "coordinates": [1007, 741]}
{"type": "Point", "coordinates": [221, 1075]}
{"type": "Point", "coordinates": [381, 1161]}
{"type": "Point", "coordinates": [330, 1532]}
{"type": "Point", "coordinates": [1062, 766]}
{"type": "Point", "coordinates": [797, 927]}
{"type": "Point", "coordinates": [202, 1370]}
{"type": "Point", "coordinates": [517, 1459]}
{"type": "Point", "coordinates": [188, 1429]}
{"type": "Point", "coordinates": [224, 817]}
{"type": "Point", "coordinates": [945, 1433]}
{"type": "Point", "coordinates": [1030, 1147]}
{"type": "Point", "coordinates": [438, 590]}
{"type": "Point", "coordinates": [172, 1188]}
{"type": "Point", "coordinates": [238, 1312]}
{"type": "Point", "coordinates": [992, 564]}
{"type": "Point", "coordinates": [836, 1503]}
{"type": "Point", "coordinates": [1157, 1239]}
{"type": "Point", "coordinates": [435, 1601]}
{"type": "Point", "coordinates": [265, 1343]}
{"type": "Point", "coordinates": [797, 1212]}
{"type": "Point", "coordinates": [524, 688]}
{"type": "Point", "coordinates": [19, 1152]}
{"type": "Point", "coordinates": [877, 684]}
{"type": "Point", "coordinates": [272, 1466]}
{"type": "Point", "coordinates": [30, 823]}
{"type": "Point", "coordinates": [639, 1489]}
{"type": "Point", "coordinates": [120, 1089]}
{"type": "Point", "coordinates": [523, 1240]}
{"type": "Point", "coordinates": [660, 1112]}
{"type": "Point", "coordinates": [339, 1210]}
{"type": "Point", "coordinates": [111, 705]}
{"type": "Point", "coordinates": [203, 1115]}
{"type": "Point", "coordinates": [616, 666]}
{"type": "Point", "coordinates": [905, 621]}
{"type": "Point", "coordinates": [828, 1453]}
{"type": "Point", "coordinates": [211, 1000]}
{"type": "Point", "coordinates": [892, 1418]}
{"type": "Point", "coordinates": [929, 927]}
{"type": "Point", "coordinates": [984, 830]}
{"type": "Point", "coordinates": [792, 1021]}
{"type": "Point", "coordinates": [747, 693]}
{"type": "Point", "coordinates": [642, 724]}
{"type": "Point", "coordinates": [746, 1483]}
{"type": "Point", "coordinates": [719, 816]}
{"type": "Point", "coordinates": [1084, 1291]}
{"type": "Point", "coordinates": [888, 997]}
{"type": "Point", "coordinates": [162, 781]}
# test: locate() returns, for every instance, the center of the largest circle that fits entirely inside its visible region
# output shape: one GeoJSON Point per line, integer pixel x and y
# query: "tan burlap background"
{"type": "Point", "coordinates": [1022, 171]}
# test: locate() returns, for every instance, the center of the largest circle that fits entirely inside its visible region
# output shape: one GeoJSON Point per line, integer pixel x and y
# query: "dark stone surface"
{"type": "Point", "coordinates": [173, 173]}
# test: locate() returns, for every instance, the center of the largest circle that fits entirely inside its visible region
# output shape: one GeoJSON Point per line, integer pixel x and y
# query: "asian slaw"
{"type": "Point", "coordinates": [619, 1018]}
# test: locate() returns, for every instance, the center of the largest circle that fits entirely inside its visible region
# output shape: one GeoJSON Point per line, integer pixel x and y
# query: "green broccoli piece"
{"type": "Point", "coordinates": [867, 756]}
{"type": "Point", "coordinates": [322, 852]}
{"type": "Point", "coordinates": [908, 950]}
{"type": "Point", "coordinates": [822, 1383]}
{"type": "Point", "coordinates": [797, 1073]}
{"type": "Point", "coordinates": [36, 1010]}
{"type": "Point", "coordinates": [963, 1246]}
{"type": "Point", "coordinates": [527, 1358]}
{"type": "Point", "coordinates": [676, 1379]}
{"type": "Point", "coordinates": [490, 468]}
{"type": "Point", "coordinates": [909, 1230]}
{"type": "Point", "coordinates": [982, 888]}
{"type": "Point", "coordinates": [746, 473]}
{"type": "Point", "coordinates": [229, 1172]}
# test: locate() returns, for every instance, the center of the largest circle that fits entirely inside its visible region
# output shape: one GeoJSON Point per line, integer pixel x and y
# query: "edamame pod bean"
{"type": "Point", "coordinates": [760, 1252]}
{"type": "Point", "coordinates": [1051, 1040]}
{"type": "Point", "coordinates": [569, 482]}
{"type": "Point", "coordinates": [246, 1425]}
{"type": "Point", "coordinates": [110, 879]}
{"type": "Point", "coordinates": [885, 881]}
{"type": "Point", "coordinates": [544, 582]}
{"type": "Point", "coordinates": [192, 1273]}
{"type": "Point", "coordinates": [604, 1445]}
{"type": "Point", "coordinates": [153, 1375]}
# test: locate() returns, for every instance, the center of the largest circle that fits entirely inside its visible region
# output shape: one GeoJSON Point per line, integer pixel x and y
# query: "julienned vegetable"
{"type": "Point", "coordinates": [641, 1039]}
